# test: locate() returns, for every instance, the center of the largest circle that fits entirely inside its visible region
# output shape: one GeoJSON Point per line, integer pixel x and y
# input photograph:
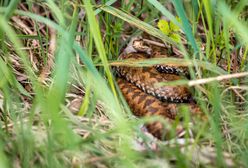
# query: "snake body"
{"type": "Point", "coordinates": [144, 104]}
{"type": "Point", "coordinates": [148, 80]}
{"type": "Point", "coordinates": [172, 69]}
{"type": "Point", "coordinates": [139, 86]}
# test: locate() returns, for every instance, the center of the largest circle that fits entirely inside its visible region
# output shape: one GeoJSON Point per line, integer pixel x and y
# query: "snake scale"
{"type": "Point", "coordinates": [145, 98]}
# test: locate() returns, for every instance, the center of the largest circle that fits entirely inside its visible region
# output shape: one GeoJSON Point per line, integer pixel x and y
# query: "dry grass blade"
{"type": "Point", "coordinates": [218, 78]}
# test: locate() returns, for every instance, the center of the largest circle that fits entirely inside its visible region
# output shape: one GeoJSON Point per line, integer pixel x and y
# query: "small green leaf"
{"type": "Point", "coordinates": [174, 27]}
{"type": "Point", "coordinates": [175, 37]}
{"type": "Point", "coordinates": [163, 25]}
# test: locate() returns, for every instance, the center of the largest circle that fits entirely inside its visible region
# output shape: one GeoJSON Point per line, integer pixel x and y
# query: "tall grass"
{"type": "Point", "coordinates": [38, 129]}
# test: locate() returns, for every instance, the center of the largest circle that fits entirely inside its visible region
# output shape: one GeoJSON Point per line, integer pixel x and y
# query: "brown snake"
{"type": "Point", "coordinates": [148, 78]}
{"type": "Point", "coordinates": [139, 87]}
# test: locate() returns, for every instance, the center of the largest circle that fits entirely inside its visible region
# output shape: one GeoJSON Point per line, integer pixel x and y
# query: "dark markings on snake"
{"type": "Point", "coordinates": [153, 110]}
{"type": "Point", "coordinates": [129, 90]}
{"type": "Point", "coordinates": [135, 94]}
{"type": "Point", "coordinates": [142, 98]}
{"type": "Point", "coordinates": [148, 102]}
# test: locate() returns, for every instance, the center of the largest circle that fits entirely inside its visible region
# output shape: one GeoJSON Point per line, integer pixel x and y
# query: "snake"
{"type": "Point", "coordinates": [148, 79]}
{"type": "Point", "coordinates": [143, 104]}
{"type": "Point", "coordinates": [139, 86]}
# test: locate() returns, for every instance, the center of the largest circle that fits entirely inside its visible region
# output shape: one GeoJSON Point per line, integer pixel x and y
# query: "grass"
{"type": "Point", "coordinates": [83, 39]}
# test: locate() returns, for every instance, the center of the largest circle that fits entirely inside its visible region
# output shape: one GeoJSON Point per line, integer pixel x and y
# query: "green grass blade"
{"type": "Point", "coordinates": [232, 20]}
{"type": "Point", "coordinates": [210, 32]}
{"type": "Point", "coordinates": [6, 73]}
{"type": "Point", "coordinates": [4, 161]}
{"type": "Point", "coordinates": [180, 62]}
{"type": "Point", "coordinates": [57, 12]}
{"type": "Point", "coordinates": [114, 112]}
{"type": "Point", "coordinates": [17, 44]}
{"type": "Point", "coordinates": [109, 3]}
{"type": "Point", "coordinates": [195, 8]}
{"type": "Point", "coordinates": [240, 6]}
{"type": "Point", "coordinates": [215, 121]}
{"type": "Point", "coordinates": [56, 94]}
{"type": "Point", "coordinates": [95, 30]}
{"type": "Point", "coordinates": [139, 24]}
{"type": "Point", "coordinates": [11, 8]}
{"type": "Point", "coordinates": [164, 11]}
{"type": "Point", "coordinates": [186, 25]}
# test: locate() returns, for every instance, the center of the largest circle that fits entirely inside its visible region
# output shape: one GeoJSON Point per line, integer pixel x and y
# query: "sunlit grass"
{"type": "Point", "coordinates": [44, 133]}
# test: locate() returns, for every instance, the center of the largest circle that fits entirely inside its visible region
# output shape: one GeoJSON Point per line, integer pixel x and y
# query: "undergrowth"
{"type": "Point", "coordinates": [59, 102]}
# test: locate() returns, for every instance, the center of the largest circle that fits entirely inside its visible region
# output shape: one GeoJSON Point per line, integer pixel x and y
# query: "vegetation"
{"type": "Point", "coordinates": [59, 102]}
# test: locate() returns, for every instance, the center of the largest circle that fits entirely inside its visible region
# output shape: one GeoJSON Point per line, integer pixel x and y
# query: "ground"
{"type": "Point", "coordinates": [59, 102]}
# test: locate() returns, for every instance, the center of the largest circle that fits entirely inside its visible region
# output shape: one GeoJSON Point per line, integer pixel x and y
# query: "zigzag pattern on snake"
{"type": "Point", "coordinates": [148, 78]}
{"type": "Point", "coordinates": [139, 87]}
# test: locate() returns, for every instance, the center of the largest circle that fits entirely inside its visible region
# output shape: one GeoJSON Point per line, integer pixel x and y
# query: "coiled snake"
{"type": "Point", "coordinates": [139, 87]}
